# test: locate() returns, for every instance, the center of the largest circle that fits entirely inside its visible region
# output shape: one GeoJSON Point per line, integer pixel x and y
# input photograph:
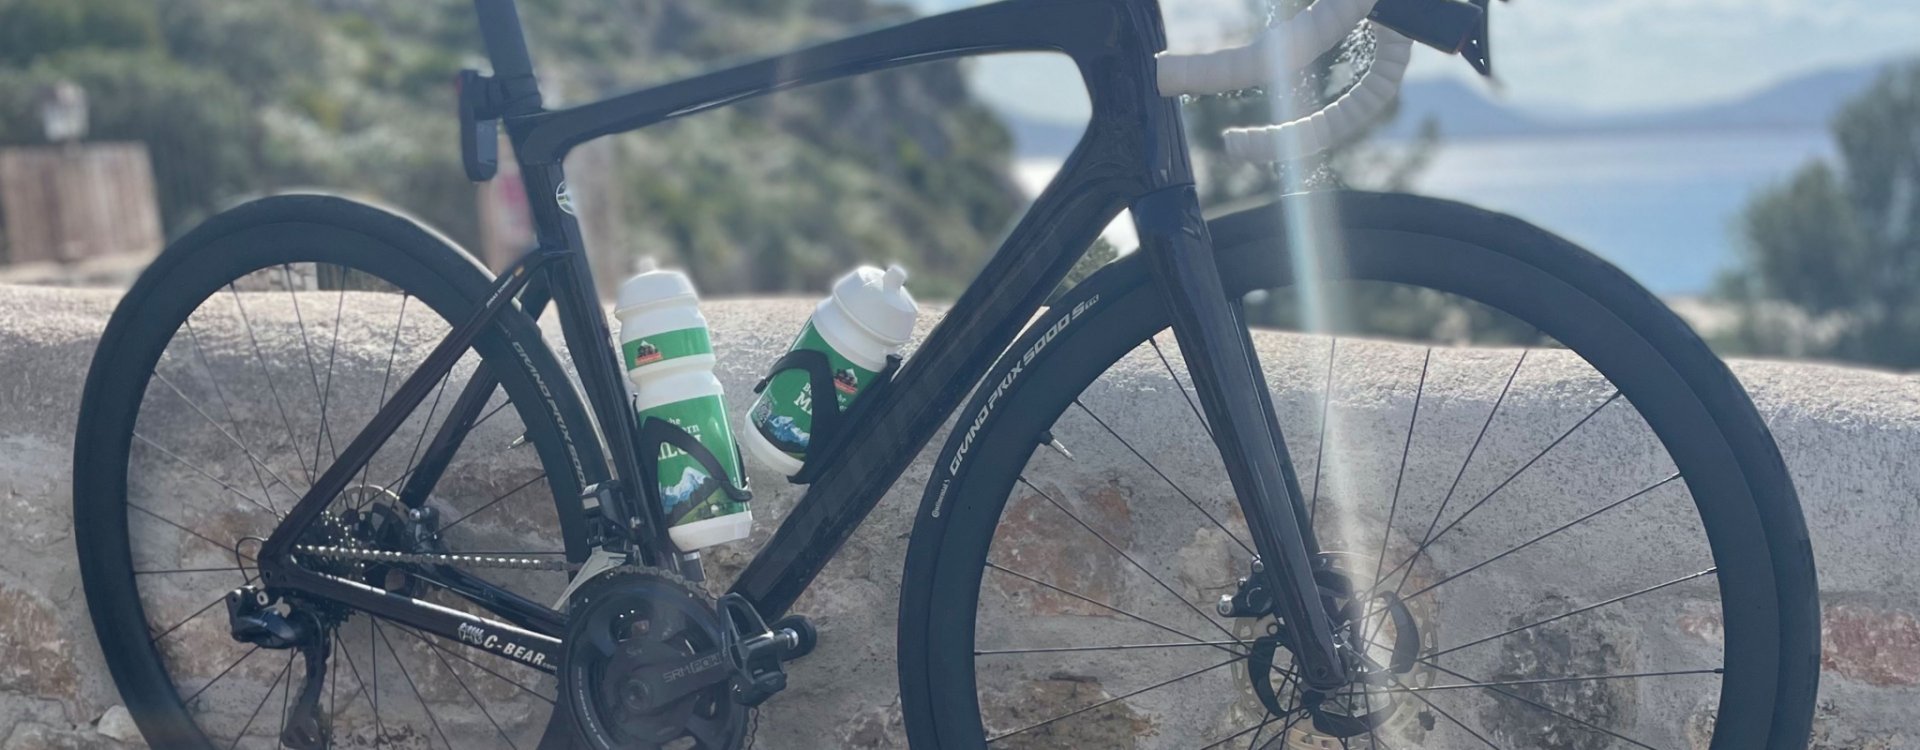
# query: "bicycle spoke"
{"type": "Point", "coordinates": [482, 667]}
{"type": "Point", "coordinates": [1472, 450]}
{"type": "Point", "coordinates": [292, 442]}
{"type": "Point", "coordinates": [1400, 477]}
{"type": "Point", "coordinates": [1435, 538]}
{"type": "Point", "coordinates": [326, 391]}
{"type": "Point", "coordinates": [1103, 605]}
{"type": "Point", "coordinates": [340, 647]}
{"type": "Point", "coordinates": [1255, 729]}
{"type": "Point", "coordinates": [217, 678]}
{"type": "Point", "coordinates": [491, 503]}
{"type": "Point", "coordinates": [286, 694]}
{"type": "Point", "coordinates": [1588, 608]}
{"type": "Point", "coordinates": [373, 657]}
{"type": "Point", "coordinates": [203, 472]}
{"type": "Point", "coordinates": [388, 487]}
{"type": "Point", "coordinates": [1320, 452]}
{"type": "Point", "coordinates": [1554, 680]}
{"type": "Point", "coordinates": [1123, 647]}
{"type": "Point", "coordinates": [1155, 341]}
{"type": "Point", "coordinates": [1443, 713]}
{"type": "Point", "coordinates": [408, 677]}
{"type": "Point", "coordinates": [1112, 700]}
{"type": "Point", "coordinates": [1549, 709]}
{"type": "Point", "coordinates": [1163, 476]}
{"type": "Point", "coordinates": [190, 618]}
{"type": "Point", "coordinates": [387, 378]}
{"type": "Point", "coordinates": [224, 549]}
{"type": "Point", "coordinates": [427, 424]}
{"type": "Point", "coordinates": [313, 370]}
{"type": "Point", "coordinates": [1556, 530]}
{"type": "Point", "coordinates": [1257, 733]}
{"type": "Point", "coordinates": [1129, 558]}
{"type": "Point", "coordinates": [263, 704]}
{"type": "Point", "coordinates": [257, 462]}
{"type": "Point", "coordinates": [469, 691]}
{"type": "Point", "coordinates": [220, 395]}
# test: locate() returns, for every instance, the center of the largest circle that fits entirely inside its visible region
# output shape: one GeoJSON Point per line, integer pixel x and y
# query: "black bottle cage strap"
{"type": "Point", "coordinates": [657, 432]}
{"type": "Point", "coordinates": [825, 411]}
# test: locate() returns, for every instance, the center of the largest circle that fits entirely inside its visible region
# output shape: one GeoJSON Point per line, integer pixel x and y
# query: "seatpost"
{"type": "Point", "coordinates": [507, 48]}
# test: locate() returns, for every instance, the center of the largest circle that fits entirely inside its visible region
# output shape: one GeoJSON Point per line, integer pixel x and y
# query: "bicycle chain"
{"type": "Point", "coordinates": [417, 558]}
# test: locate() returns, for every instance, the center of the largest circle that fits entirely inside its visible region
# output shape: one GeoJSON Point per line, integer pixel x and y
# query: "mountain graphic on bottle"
{"type": "Point", "coordinates": [694, 497]}
{"type": "Point", "coordinates": [644, 353]}
{"type": "Point", "coordinates": [779, 429]}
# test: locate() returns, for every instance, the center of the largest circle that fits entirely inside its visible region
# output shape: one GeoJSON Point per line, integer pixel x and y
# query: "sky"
{"type": "Point", "coordinates": [1579, 55]}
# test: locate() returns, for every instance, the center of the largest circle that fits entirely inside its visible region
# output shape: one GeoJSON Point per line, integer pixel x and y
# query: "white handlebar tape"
{"type": "Point", "coordinates": [1280, 51]}
{"type": "Point", "coordinates": [1337, 121]}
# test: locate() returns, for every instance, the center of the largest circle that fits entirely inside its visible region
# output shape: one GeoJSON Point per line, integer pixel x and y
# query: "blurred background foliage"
{"type": "Point", "coordinates": [784, 193]}
{"type": "Point", "coordinates": [1832, 266]}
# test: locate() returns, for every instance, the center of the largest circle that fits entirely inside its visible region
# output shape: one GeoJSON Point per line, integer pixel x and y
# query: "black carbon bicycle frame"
{"type": "Point", "coordinates": [1132, 156]}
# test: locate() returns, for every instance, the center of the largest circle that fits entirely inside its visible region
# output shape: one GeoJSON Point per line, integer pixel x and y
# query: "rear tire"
{"type": "Point", "coordinates": [259, 241]}
{"type": "Point", "coordinates": [1697, 410]}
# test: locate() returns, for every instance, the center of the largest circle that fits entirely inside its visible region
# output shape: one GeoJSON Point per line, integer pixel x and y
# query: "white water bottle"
{"type": "Point", "coordinates": [669, 357]}
{"type": "Point", "coordinates": [868, 317]}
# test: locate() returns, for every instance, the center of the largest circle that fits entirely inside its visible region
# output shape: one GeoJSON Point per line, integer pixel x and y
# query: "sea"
{"type": "Point", "coordinates": [1664, 206]}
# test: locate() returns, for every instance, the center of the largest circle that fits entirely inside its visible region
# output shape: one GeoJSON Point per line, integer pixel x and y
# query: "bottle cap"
{"type": "Point", "coordinates": [879, 302]}
{"type": "Point", "coordinates": [653, 287]}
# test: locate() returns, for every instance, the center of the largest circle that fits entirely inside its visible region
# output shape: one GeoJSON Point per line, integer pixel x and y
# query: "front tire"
{"type": "Point", "coordinates": [1743, 500]}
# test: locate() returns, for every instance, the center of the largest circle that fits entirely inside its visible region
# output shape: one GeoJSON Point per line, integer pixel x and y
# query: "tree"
{"type": "Point", "coordinates": [1832, 255]}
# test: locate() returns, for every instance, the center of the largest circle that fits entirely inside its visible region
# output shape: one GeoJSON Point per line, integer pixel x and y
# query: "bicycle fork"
{"type": "Point", "coordinates": [1220, 360]}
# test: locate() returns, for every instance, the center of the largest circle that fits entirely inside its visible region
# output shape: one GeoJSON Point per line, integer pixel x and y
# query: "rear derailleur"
{"type": "Point", "coordinates": [261, 618]}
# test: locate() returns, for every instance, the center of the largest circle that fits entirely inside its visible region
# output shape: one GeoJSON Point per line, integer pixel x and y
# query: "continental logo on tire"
{"type": "Point", "coordinates": [1000, 389]}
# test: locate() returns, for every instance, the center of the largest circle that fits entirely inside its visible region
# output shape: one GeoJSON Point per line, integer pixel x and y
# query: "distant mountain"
{"type": "Point", "coordinates": [1808, 101]}
{"type": "Point", "coordinates": [1465, 110]}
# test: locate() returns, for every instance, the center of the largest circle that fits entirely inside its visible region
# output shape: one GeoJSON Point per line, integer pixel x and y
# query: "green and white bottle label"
{"type": "Point", "coordinates": [687, 493]}
{"type": "Point", "coordinates": [784, 412]}
{"type": "Point", "coordinates": [665, 345]}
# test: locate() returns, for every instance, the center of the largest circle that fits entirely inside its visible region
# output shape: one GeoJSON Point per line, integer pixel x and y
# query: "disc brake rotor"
{"type": "Point", "coordinates": [1382, 638]}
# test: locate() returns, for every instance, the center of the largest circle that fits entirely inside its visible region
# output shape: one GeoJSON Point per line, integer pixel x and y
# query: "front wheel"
{"type": "Point", "coordinates": [1585, 538]}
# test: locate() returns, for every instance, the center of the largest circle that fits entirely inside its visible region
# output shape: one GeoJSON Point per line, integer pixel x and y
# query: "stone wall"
{"type": "Point", "coordinates": [1849, 437]}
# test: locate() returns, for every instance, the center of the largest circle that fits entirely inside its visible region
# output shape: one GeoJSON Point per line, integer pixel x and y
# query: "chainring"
{"type": "Point", "coordinates": [627, 628]}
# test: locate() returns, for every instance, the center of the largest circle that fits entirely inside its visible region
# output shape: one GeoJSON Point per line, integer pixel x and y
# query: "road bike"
{"type": "Point", "coordinates": [296, 530]}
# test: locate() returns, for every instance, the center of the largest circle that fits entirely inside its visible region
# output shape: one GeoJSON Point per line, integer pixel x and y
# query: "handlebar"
{"type": "Point", "coordinates": [1286, 48]}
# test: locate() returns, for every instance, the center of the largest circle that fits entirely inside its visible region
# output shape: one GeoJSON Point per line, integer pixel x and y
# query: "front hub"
{"type": "Point", "coordinates": [1379, 636]}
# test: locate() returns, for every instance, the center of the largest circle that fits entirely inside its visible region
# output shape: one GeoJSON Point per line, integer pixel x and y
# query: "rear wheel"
{"type": "Point", "coordinates": [230, 376]}
{"type": "Point", "coordinates": [1587, 541]}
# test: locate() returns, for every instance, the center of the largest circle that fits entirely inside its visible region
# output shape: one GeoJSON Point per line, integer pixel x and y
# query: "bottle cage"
{"type": "Point", "coordinates": [827, 417]}
{"type": "Point", "coordinates": [657, 432]}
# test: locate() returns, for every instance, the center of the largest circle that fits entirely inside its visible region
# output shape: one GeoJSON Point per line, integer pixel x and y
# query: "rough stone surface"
{"type": "Point", "coordinates": [1849, 437]}
{"type": "Point", "coordinates": [118, 725]}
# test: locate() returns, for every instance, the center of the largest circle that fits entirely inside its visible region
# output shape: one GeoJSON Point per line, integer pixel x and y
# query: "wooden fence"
{"type": "Point", "coordinates": [64, 204]}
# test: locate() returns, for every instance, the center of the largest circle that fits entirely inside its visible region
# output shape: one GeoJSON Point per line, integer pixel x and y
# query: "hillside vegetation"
{"type": "Point", "coordinates": [237, 98]}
